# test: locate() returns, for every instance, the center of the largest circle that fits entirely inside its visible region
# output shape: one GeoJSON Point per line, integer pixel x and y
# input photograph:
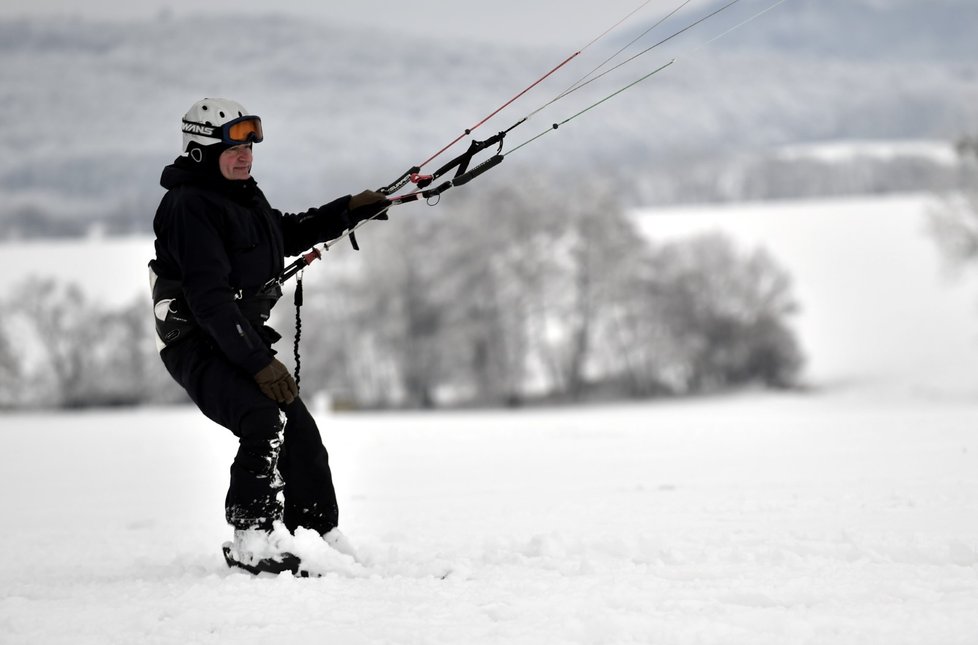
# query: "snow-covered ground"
{"type": "Point", "coordinates": [940, 152]}
{"type": "Point", "coordinates": [752, 519]}
{"type": "Point", "coordinates": [845, 515]}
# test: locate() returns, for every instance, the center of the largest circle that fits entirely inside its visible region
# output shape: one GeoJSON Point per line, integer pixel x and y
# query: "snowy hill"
{"type": "Point", "coordinates": [92, 108]}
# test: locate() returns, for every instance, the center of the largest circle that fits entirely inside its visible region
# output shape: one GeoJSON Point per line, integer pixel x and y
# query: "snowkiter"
{"type": "Point", "coordinates": [218, 244]}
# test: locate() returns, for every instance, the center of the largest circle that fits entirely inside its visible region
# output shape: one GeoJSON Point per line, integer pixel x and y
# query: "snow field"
{"type": "Point", "coordinates": [755, 519]}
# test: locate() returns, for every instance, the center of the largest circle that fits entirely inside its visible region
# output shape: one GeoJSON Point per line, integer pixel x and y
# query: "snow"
{"type": "Point", "coordinates": [939, 152]}
{"type": "Point", "coordinates": [750, 519]}
{"type": "Point", "coordinates": [848, 514]}
{"type": "Point", "coordinates": [110, 270]}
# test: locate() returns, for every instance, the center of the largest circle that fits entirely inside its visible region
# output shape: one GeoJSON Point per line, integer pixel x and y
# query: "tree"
{"type": "Point", "coordinates": [9, 372]}
{"type": "Point", "coordinates": [529, 275]}
{"type": "Point", "coordinates": [383, 317]}
{"type": "Point", "coordinates": [124, 356]}
{"type": "Point", "coordinates": [534, 291]}
{"type": "Point", "coordinates": [954, 225]}
{"type": "Point", "coordinates": [75, 353]}
{"type": "Point", "coordinates": [341, 350]}
{"type": "Point", "coordinates": [498, 270]}
{"type": "Point", "coordinates": [62, 325]}
{"type": "Point", "coordinates": [727, 315]}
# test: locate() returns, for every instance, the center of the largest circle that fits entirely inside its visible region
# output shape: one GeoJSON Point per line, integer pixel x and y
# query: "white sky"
{"type": "Point", "coordinates": [527, 21]}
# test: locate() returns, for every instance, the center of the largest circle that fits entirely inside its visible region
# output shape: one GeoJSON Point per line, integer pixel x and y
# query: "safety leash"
{"type": "Point", "coordinates": [298, 327]}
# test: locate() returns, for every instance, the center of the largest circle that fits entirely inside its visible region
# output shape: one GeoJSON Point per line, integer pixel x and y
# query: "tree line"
{"type": "Point", "coordinates": [713, 178]}
{"type": "Point", "coordinates": [541, 293]}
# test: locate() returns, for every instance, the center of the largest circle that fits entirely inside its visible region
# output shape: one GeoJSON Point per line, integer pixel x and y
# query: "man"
{"type": "Point", "coordinates": [218, 243]}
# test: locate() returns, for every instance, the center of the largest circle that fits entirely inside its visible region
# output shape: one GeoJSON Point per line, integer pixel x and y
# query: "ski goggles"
{"type": "Point", "coordinates": [244, 129]}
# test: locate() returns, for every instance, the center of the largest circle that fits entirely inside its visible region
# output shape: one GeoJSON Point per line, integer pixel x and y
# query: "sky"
{"type": "Point", "coordinates": [514, 21]}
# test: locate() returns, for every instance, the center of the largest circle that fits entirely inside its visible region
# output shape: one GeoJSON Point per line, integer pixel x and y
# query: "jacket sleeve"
{"type": "Point", "coordinates": [302, 231]}
{"type": "Point", "coordinates": [198, 247]}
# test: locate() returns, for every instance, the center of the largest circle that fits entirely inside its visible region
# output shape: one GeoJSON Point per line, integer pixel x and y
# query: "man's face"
{"type": "Point", "coordinates": [235, 162]}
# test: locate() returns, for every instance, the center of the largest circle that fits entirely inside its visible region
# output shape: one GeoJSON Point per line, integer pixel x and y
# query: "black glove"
{"type": "Point", "coordinates": [277, 383]}
{"type": "Point", "coordinates": [366, 205]}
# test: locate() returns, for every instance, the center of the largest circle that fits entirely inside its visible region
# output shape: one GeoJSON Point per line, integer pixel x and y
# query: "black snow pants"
{"type": "Point", "coordinates": [281, 470]}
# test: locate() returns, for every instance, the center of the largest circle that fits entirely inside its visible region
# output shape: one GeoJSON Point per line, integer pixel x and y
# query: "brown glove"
{"type": "Point", "coordinates": [366, 198]}
{"type": "Point", "coordinates": [277, 383]}
{"type": "Point", "coordinates": [366, 205]}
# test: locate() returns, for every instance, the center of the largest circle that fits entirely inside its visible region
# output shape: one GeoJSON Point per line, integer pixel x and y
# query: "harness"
{"type": "Point", "coordinates": [175, 322]}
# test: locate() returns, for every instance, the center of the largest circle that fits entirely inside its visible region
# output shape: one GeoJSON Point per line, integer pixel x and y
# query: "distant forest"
{"type": "Point", "coordinates": [698, 180]}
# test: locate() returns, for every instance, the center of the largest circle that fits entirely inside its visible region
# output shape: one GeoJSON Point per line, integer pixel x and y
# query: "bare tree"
{"type": "Point", "coordinates": [533, 291]}
{"type": "Point", "coordinates": [727, 315]}
{"type": "Point", "coordinates": [64, 328]}
{"type": "Point", "coordinates": [529, 275]}
{"type": "Point", "coordinates": [401, 310]}
{"type": "Point", "coordinates": [124, 357]}
{"type": "Point", "coordinates": [609, 255]}
{"type": "Point", "coordinates": [10, 372]}
{"type": "Point", "coordinates": [339, 350]}
{"type": "Point", "coordinates": [954, 225]}
{"type": "Point", "coordinates": [497, 267]}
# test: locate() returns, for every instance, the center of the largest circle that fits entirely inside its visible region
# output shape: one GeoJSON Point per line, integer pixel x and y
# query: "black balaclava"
{"type": "Point", "coordinates": [204, 161]}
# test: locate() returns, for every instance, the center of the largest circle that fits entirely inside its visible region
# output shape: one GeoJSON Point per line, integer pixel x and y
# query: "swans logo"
{"type": "Point", "coordinates": [197, 128]}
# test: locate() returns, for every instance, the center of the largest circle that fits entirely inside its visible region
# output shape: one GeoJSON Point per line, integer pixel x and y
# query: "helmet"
{"type": "Point", "coordinates": [211, 121]}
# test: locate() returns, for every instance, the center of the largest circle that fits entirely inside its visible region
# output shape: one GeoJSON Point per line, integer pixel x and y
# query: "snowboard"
{"type": "Point", "coordinates": [288, 563]}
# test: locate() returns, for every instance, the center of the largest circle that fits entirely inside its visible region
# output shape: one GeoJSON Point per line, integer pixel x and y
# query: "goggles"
{"type": "Point", "coordinates": [244, 129]}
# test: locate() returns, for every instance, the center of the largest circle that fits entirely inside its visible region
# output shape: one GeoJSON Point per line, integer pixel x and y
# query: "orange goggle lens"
{"type": "Point", "coordinates": [245, 129]}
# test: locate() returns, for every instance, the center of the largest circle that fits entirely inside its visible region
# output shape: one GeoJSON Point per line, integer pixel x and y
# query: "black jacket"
{"type": "Point", "coordinates": [221, 242]}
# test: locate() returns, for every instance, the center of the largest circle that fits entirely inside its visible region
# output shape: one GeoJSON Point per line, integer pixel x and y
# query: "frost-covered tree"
{"type": "Point", "coordinates": [62, 327]}
{"type": "Point", "coordinates": [528, 274]}
{"type": "Point", "coordinates": [486, 272]}
{"type": "Point", "coordinates": [386, 319]}
{"type": "Point", "coordinates": [9, 372]}
{"type": "Point", "coordinates": [726, 315]}
{"type": "Point", "coordinates": [72, 352]}
{"type": "Point", "coordinates": [600, 253]}
{"type": "Point", "coordinates": [124, 355]}
{"type": "Point", "coordinates": [954, 225]}
{"type": "Point", "coordinates": [339, 351]}
{"type": "Point", "coordinates": [536, 290]}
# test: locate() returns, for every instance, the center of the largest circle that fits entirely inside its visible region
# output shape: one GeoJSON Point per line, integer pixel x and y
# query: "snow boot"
{"type": "Point", "coordinates": [259, 551]}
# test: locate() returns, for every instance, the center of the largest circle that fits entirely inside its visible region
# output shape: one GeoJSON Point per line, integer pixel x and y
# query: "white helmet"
{"type": "Point", "coordinates": [211, 121]}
